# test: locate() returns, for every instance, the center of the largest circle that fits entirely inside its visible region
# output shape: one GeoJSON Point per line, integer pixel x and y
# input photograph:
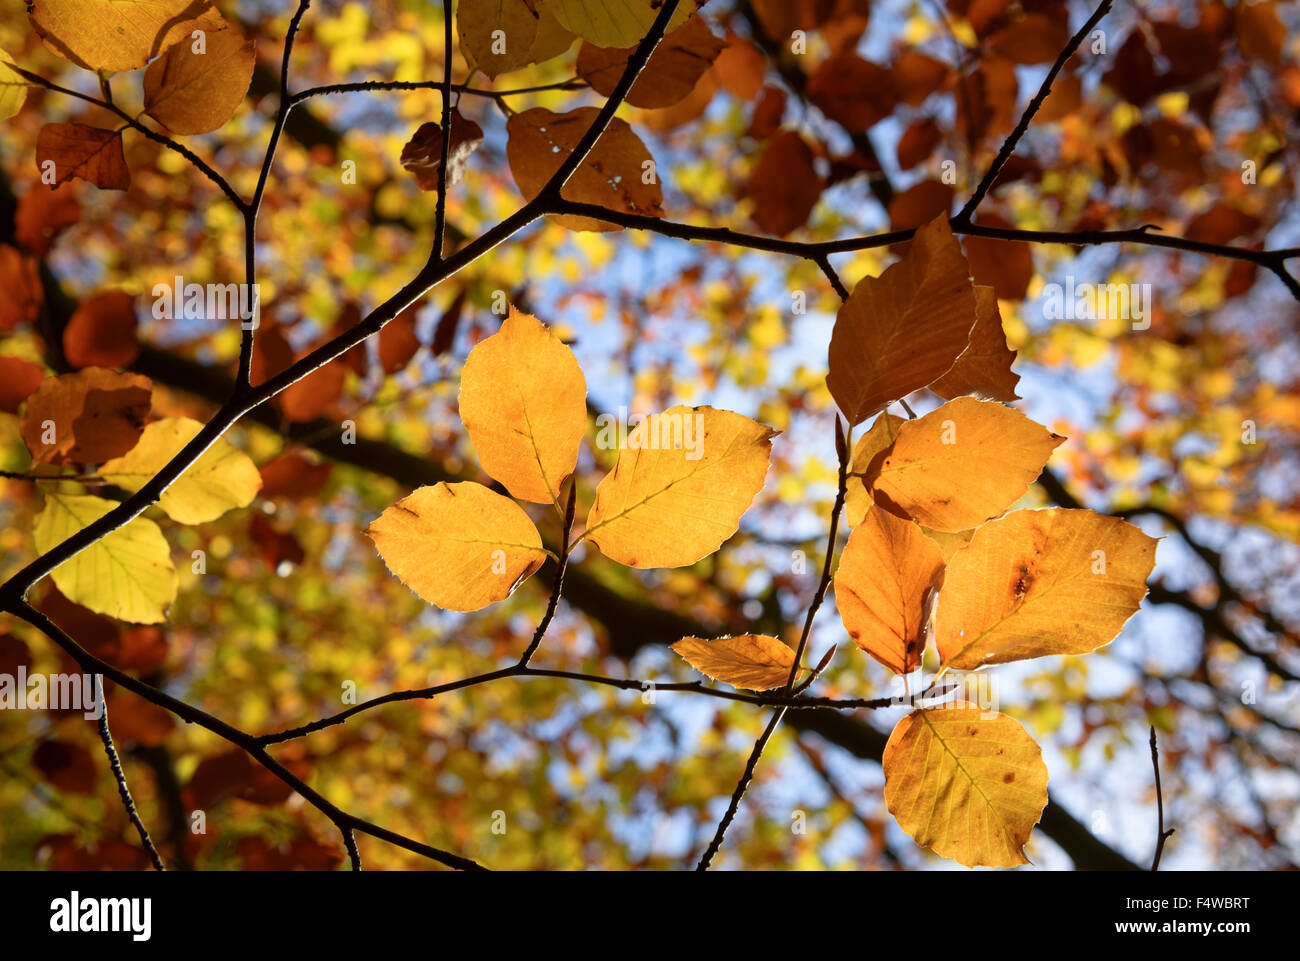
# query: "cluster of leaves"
{"type": "Point", "coordinates": [940, 565]}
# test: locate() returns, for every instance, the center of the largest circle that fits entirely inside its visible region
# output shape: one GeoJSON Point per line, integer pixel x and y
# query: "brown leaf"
{"type": "Point", "coordinates": [293, 476]}
{"type": "Point", "coordinates": [920, 204]}
{"type": "Point", "coordinates": [670, 74]}
{"type": "Point", "coordinates": [984, 369]}
{"type": "Point", "coordinates": [18, 378]}
{"type": "Point", "coordinates": [903, 330]}
{"type": "Point", "coordinates": [101, 332]}
{"type": "Point", "coordinates": [78, 150]}
{"type": "Point", "coordinates": [422, 154]}
{"type": "Point", "coordinates": [740, 69]}
{"type": "Point", "coordinates": [855, 93]}
{"type": "Point", "coordinates": [90, 416]}
{"type": "Point", "coordinates": [44, 213]}
{"type": "Point", "coordinates": [20, 278]}
{"type": "Point", "coordinates": [398, 341]}
{"type": "Point", "coordinates": [189, 92]}
{"type": "Point", "coordinates": [69, 767]}
{"type": "Point", "coordinates": [1034, 38]}
{"type": "Point", "coordinates": [613, 175]}
{"type": "Point", "coordinates": [915, 76]}
{"type": "Point", "coordinates": [783, 185]}
{"type": "Point", "coordinates": [918, 142]}
{"type": "Point", "coordinates": [1005, 265]}
{"type": "Point", "coordinates": [768, 112]}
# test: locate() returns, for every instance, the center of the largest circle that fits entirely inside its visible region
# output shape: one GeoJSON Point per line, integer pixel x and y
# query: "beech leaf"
{"type": "Point", "coordinates": [754, 662]}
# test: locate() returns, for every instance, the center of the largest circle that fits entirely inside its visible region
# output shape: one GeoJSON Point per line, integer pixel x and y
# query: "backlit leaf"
{"type": "Point", "coordinates": [669, 75]}
{"type": "Point", "coordinates": [524, 402]}
{"type": "Point", "coordinates": [682, 481]}
{"type": "Point", "coordinates": [883, 584]}
{"type": "Point", "coordinates": [615, 23]}
{"type": "Point", "coordinates": [189, 92]}
{"type": "Point", "coordinates": [984, 369]}
{"type": "Point", "coordinates": [223, 478]}
{"type": "Point", "coordinates": [86, 417]}
{"type": "Point", "coordinates": [458, 546]}
{"type": "Point", "coordinates": [961, 464]}
{"type": "Point", "coordinates": [903, 330]}
{"type": "Point", "coordinates": [967, 784]}
{"type": "Point", "coordinates": [877, 440]}
{"type": "Point", "coordinates": [118, 36]}
{"type": "Point", "coordinates": [1041, 582]}
{"type": "Point", "coordinates": [127, 574]}
{"type": "Point", "coordinates": [754, 662]}
{"type": "Point", "coordinates": [496, 35]}
{"type": "Point", "coordinates": [78, 150]}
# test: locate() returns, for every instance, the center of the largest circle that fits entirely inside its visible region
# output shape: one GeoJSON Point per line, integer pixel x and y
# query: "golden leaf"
{"type": "Point", "coordinates": [190, 92]}
{"type": "Point", "coordinates": [682, 481]}
{"type": "Point", "coordinates": [985, 368]}
{"type": "Point", "coordinates": [967, 784]}
{"type": "Point", "coordinates": [458, 546]}
{"type": "Point", "coordinates": [754, 662]}
{"type": "Point", "coordinates": [615, 23]}
{"type": "Point", "coordinates": [1041, 582]}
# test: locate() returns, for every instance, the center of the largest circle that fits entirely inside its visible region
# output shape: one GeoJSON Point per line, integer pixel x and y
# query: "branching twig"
{"type": "Point", "coordinates": [739, 792]}
{"type": "Point", "coordinates": [119, 775]}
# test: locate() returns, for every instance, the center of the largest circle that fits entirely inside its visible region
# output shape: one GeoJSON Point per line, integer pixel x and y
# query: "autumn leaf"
{"type": "Point", "coordinates": [670, 74]}
{"type": "Point", "coordinates": [126, 574]}
{"type": "Point", "coordinates": [615, 23]}
{"type": "Point", "coordinates": [682, 481]}
{"type": "Point", "coordinates": [614, 174]}
{"type": "Point", "coordinates": [984, 369]}
{"type": "Point", "coordinates": [13, 88]}
{"type": "Point", "coordinates": [101, 331]}
{"type": "Point", "coordinates": [18, 379]}
{"type": "Point", "coordinates": [223, 478]}
{"type": "Point", "coordinates": [86, 417]}
{"type": "Point", "coordinates": [119, 36]}
{"type": "Point", "coordinates": [877, 440]}
{"type": "Point", "coordinates": [784, 186]}
{"type": "Point", "coordinates": [399, 340]}
{"type": "Point", "coordinates": [853, 92]}
{"type": "Point", "coordinates": [422, 154]}
{"type": "Point", "coordinates": [903, 330]}
{"type": "Point", "coordinates": [754, 662]}
{"type": "Point", "coordinates": [1041, 582]}
{"type": "Point", "coordinates": [191, 92]}
{"type": "Point", "coordinates": [887, 574]}
{"type": "Point", "coordinates": [20, 278]}
{"type": "Point", "coordinates": [524, 402]}
{"type": "Point", "coordinates": [78, 150]}
{"type": "Point", "coordinates": [460, 547]}
{"type": "Point", "coordinates": [967, 784]}
{"type": "Point", "coordinates": [961, 464]}
{"type": "Point", "coordinates": [496, 35]}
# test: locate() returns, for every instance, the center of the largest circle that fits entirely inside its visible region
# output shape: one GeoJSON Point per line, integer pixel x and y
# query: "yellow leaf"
{"type": "Point", "coordinates": [961, 464]}
{"type": "Point", "coordinates": [754, 662]}
{"type": "Point", "coordinates": [190, 92]}
{"type": "Point", "coordinates": [903, 330]}
{"type": "Point", "coordinates": [119, 36]}
{"type": "Point", "coordinates": [1041, 582]}
{"type": "Point", "coordinates": [682, 480]}
{"type": "Point", "coordinates": [967, 784]}
{"type": "Point", "coordinates": [857, 498]}
{"type": "Point", "coordinates": [669, 75]}
{"type": "Point", "coordinates": [886, 577]}
{"type": "Point", "coordinates": [13, 88]}
{"type": "Point", "coordinates": [458, 546]}
{"type": "Point", "coordinates": [496, 36]}
{"type": "Point", "coordinates": [126, 574]}
{"type": "Point", "coordinates": [223, 478]}
{"type": "Point", "coordinates": [615, 23]}
{"type": "Point", "coordinates": [984, 369]}
{"type": "Point", "coordinates": [612, 175]}
{"type": "Point", "coordinates": [523, 401]}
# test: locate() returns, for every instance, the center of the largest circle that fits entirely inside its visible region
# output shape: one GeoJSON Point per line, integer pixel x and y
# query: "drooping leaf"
{"type": "Point", "coordinates": [189, 92]}
{"type": "Point", "coordinates": [985, 368]}
{"type": "Point", "coordinates": [683, 479]}
{"type": "Point", "coordinates": [615, 23]}
{"type": "Point", "coordinates": [903, 330]}
{"type": "Point", "coordinates": [223, 478]}
{"type": "Point", "coordinates": [119, 36]}
{"type": "Point", "coordinates": [961, 464]}
{"type": "Point", "coordinates": [126, 574]}
{"type": "Point", "coordinates": [967, 784]}
{"type": "Point", "coordinates": [86, 417]}
{"type": "Point", "coordinates": [754, 662]}
{"type": "Point", "coordinates": [79, 150]}
{"type": "Point", "coordinates": [887, 574]}
{"type": "Point", "coordinates": [524, 402]}
{"type": "Point", "coordinates": [877, 440]}
{"type": "Point", "coordinates": [1041, 582]}
{"type": "Point", "coordinates": [101, 332]}
{"type": "Point", "coordinates": [422, 154]}
{"type": "Point", "coordinates": [496, 36]}
{"type": "Point", "coordinates": [458, 546]}
{"type": "Point", "coordinates": [669, 75]}
{"type": "Point", "coordinates": [618, 173]}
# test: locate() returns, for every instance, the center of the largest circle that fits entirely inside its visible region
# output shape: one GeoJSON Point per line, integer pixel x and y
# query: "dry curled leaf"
{"type": "Point", "coordinates": [422, 154]}
{"type": "Point", "coordinates": [86, 417]}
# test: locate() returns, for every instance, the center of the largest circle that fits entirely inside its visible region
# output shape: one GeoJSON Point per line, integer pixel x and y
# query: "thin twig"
{"type": "Point", "coordinates": [1161, 834]}
{"type": "Point", "coordinates": [119, 775]}
{"type": "Point", "coordinates": [561, 564]}
{"type": "Point", "coordinates": [440, 210]}
{"type": "Point", "coordinates": [739, 792]}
